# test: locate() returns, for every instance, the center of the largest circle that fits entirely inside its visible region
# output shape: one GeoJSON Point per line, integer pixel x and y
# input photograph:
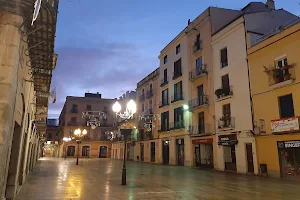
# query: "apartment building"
{"type": "Point", "coordinates": [147, 112]}
{"type": "Point", "coordinates": [97, 142]}
{"type": "Point", "coordinates": [233, 112]}
{"type": "Point", "coordinates": [274, 77]}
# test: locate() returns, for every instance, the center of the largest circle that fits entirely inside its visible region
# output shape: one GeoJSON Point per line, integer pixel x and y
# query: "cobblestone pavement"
{"type": "Point", "coordinates": [100, 179]}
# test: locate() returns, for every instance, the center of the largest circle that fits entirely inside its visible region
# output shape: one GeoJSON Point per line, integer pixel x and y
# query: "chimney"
{"type": "Point", "coordinates": [271, 4]}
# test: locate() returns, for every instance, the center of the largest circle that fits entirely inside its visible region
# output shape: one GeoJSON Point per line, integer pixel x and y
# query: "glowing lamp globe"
{"type": "Point", "coordinates": [116, 107]}
{"type": "Point", "coordinates": [84, 132]}
{"type": "Point", "coordinates": [131, 106]}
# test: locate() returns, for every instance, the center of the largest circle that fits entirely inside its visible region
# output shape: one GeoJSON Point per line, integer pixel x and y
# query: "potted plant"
{"type": "Point", "coordinates": [221, 122]}
{"type": "Point", "coordinates": [276, 75]}
{"type": "Point", "coordinates": [287, 76]}
{"type": "Point", "coordinates": [219, 92]}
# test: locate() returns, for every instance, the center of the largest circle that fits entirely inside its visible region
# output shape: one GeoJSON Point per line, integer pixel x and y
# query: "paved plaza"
{"type": "Point", "coordinates": [100, 179]}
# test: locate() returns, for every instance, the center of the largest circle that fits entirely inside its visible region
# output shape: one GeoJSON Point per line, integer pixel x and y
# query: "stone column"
{"type": "Point", "coordinates": [9, 58]}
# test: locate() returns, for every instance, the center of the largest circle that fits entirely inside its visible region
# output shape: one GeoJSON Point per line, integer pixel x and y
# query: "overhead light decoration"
{"type": "Point", "coordinates": [37, 7]}
{"type": "Point", "coordinates": [149, 120]}
{"type": "Point", "coordinates": [128, 113]}
{"type": "Point", "coordinates": [93, 118]}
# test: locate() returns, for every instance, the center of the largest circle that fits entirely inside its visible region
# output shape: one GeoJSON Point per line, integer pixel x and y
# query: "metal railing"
{"type": "Point", "coordinates": [164, 81]}
{"type": "Point", "coordinates": [177, 75]}
{"type": "Point", "coordinates": [278, 30]}
{"type": "Point", "coordinates": [149, 94]}
{"type": "Point", "coordinates": [197, 72]}
{"type": "Point", "coordinates": [163, 128]}
{"type": "Point", "coordinates": [197, 45]}
{"type": "Point", "coordinates": [200, 101]}
{"type": "Point", "coordinates": [278, 75]}
{"type": "Point", "coordinates": [164, 102]}
{"type": "Point", "coordinates": [223, 92]}
{"type": "Point", "coordinates": [177, 125]}
{"type": "Point", "coordinates": [200, 129]}
{"type": "Point", "coordinates": [226, 122]}
{"type": "Point", "coordinates": [177, 97]}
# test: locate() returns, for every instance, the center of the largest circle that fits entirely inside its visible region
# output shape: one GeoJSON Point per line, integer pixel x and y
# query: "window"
{"type": "Point", "coordinates": [165, 59]}
{"type": "Point", "coordinates": [224, 58]}
{"type": "Point", "coordinates": [281, 73]}
{"type": "Point", "coordinates": [226, 110]}
{"type": "Point", "coordinates": [49, 135]}
{"type": "Point", "coordinates": [178, 91]}
{"type": "Point", "coordinates": [199, 65]}
{"type": "Point", "coordinates": [286, 106]}
{"type": "Point", "coordinates": [165, 76]}
{"type": "Point", "coordinates": [143, 107]}
{"type": "Point", "coordinates": [197, 43]}
{"type": "Point", "coordinates": [165, 121]}
{"type": "Point", "coordinates": [74, 108]}
{"type": "Point", "coordinates": [201, 124]}
{"type": "Point", "coordinates": [143, 91]}
{"type": "Point", "coordinates": [150, 104]}
{"type": "Point", "coordinates": [178, 49]}
{"type": "Point", "coordinates": [88, 107]}
{"type": "Point", "coordinates": [150, 87]}
{"type": "Point", "coordinates": [178, 114]}
{"type": "Point", "coordinates": [225, 85]}
{"type": "Point", "coordinates": [165, 97]}
{"type": "Point", "coordinates": [177, 68]}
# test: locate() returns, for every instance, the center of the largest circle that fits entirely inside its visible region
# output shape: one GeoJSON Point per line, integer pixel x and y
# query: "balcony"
{"type": "Point", "coordinates": [278, 77]}
{"type": "Point", "coordinates": [149, 94]}
{"type": "Point", "coordinates": [200, 130]}
{"type": "Point", "coordinates": [142, 98]}
{"type": "Point", "coordinates": [164, 81]}
{"type": "Point", "coordinates": [223, 93]}
{"type": "Point", "coordinates": [177, 125]}
{"type": "Point", "coordinates": [226, 122]}
{"type": "Point", "coordinates": [198, 72]}
{"type": "Point", "coordinates": [177, 97]}
{"type": "Point", "coordinates": [164, 102]}
{"type": "Point", "coordinates": [197, 46]}
{"type": "Point", "coordinates": [201, 101]}
{"type": "Point", "coordinates": [163, 128]}
{"type": "Point", "coordinates": [177, 75]}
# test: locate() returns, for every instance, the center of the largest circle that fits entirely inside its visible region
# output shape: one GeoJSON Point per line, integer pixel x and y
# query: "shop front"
{"type": "Point", "coordinates": [203, 152]}
{"type": "Point", "coordinates": [289, 159]}
{"type": "Point", "coordinates": [228, 144]}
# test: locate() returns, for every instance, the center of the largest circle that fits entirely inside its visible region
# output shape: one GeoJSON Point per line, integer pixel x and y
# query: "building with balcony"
{"type": "Point", "coordinates": [233, 111]}
{"type": "Point", "coordinates": [275, 76]}
{"type": "Point", "coordinates": [97, 142]}
{"type": "Point", "coordinates": [147, 111]}
{"type": "Point", "coordinates": [27, 61]}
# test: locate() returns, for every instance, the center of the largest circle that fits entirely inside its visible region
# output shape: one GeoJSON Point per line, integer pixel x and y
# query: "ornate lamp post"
{"type": "Point", "coordinates": [66, 139]}
{"type": "Point", "coordinates": [78, 135]}
{"type": "Point", "coordinates": [128, 114]}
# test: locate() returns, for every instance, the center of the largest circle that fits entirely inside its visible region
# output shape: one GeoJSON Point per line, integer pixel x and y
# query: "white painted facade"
{"type": "Point", "coordinates": [233, 37]}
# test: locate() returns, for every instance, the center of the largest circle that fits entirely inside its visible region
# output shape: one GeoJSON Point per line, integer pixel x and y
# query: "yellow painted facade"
{"type": "Point", "coordinates": [265, 94]}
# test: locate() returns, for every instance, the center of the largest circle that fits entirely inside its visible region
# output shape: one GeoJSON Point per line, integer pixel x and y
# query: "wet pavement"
{"type": "Point", "coordinates": [100, 179]}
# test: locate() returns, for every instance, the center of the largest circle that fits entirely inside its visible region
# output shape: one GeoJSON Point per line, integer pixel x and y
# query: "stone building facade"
{"type": "Point", "coordinates": [24, 88]}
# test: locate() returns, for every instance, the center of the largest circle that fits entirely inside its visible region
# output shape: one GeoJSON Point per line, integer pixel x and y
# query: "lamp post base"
{"type": "Point", "coordinates": [124, 176]}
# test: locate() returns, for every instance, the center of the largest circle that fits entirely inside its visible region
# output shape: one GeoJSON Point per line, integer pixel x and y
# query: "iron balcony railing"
{"type": "Point", "coordinates": [198, 72]}
{"type": "Point", "coordinates": [177, 125]}
{"type": "Point", "coordinates": [200, 101]}
{"type": "Point", "coordinates": [164, 81]}
{"type": "Point", "coordinates": [164, 102]}
{"type": "Point", "coordinates": [163, 128]}
{"type": "Point", "coordinates": [226, 122]}
{"type": "Point", "coordinates": [278, 75]}
{"type": "Point", "coordinates": [176, 74]}
{"type": "Point", "coordinates": [223, 92]}
{"type": "Point", "coordinates": [200, 129]}
{"type": "Point", "coordinates": [149, 94]}
{"type": "Point", "coordinates": [177, 97]}
{"type": "Point", "coordinates": [142, 97]}
{"type": "Point", "coordinates": [197, 46]}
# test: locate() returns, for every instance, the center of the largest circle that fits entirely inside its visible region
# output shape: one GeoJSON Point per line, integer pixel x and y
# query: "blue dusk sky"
{"type": "Point", "coordinates": [108, 46]}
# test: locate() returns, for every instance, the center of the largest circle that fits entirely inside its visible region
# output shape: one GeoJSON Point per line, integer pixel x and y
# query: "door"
{"type": "Point", "coordinates": [85, 151]}
{"type": "Point", "coordinates": [166, 152]}
{"type": "Point", "coordinates": [142, 151]}
{"type": "Point", "coordinates": [103, 152]}
{"type": "Point", "coordinates": [200, 94]}
{"type": "Point", "coordinates": [198, 66]}
{"type": "Point", "coordinates": [71, 151]}
{"type": "Point", "coordinates": [152, 151]}
{"type": "Point", "coordinates": [201, 126]}
{"type": "Point", "coordinates": [250, 158]}
{"type": "Point", "coordinates": [180, 152]}
{"type": "Point", "coordinates": [197, 156]}
{"type": "Point", "coordinates": [225, 84]}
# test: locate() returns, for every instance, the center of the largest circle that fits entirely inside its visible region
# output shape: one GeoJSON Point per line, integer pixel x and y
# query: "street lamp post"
{"type": "Point", "coordinates": [78, 135]}
{"type": "Point", "coordinates": [128, 114]}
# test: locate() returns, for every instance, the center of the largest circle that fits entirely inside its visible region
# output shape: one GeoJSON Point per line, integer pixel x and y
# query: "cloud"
{"type": "Point", "coordinates": [107, 68]}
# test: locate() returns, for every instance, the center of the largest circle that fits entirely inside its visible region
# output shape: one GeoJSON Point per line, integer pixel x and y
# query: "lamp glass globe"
{"type": "Point", "coordinates": [116, 107]}
{"type": "Point", "coordinates": [131, 106]}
